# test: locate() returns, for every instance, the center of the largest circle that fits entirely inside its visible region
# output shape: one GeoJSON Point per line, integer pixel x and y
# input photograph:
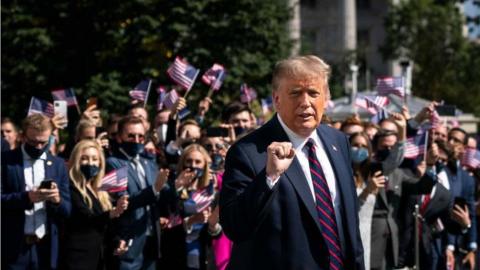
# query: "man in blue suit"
{"type": "Point", "coordinates": [288, 199]}
{"type": "Point", "coordinates": [139, 223]}
{"type": "Point", "coordinates": [31, 210]}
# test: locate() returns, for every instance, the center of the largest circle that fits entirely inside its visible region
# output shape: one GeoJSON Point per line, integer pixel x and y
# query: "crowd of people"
{"type": "Point", "coordinates": [56, 213]}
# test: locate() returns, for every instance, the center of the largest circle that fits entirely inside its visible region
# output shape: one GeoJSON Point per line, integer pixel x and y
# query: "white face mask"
{"type": "Point", "coordinates": [162, 132]}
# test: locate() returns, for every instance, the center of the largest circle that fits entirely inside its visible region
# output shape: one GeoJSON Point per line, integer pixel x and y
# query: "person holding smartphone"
{"type": "Point", "coordinates": [91, 209]}
{"type": "Point", "coordinates": [32, 209]}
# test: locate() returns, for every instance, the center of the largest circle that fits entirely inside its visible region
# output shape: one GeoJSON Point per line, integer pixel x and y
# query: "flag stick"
{"type": "Point", "coordinates": [148, 92]}
{"type": "Point", "coordinates": [78, 108]}
{"type": "Point", "coordinates": [210, 92]}
{"type": "Point", "coordinates": [425, 147]}
{"type": "Point", "coordinates": [193, 82]}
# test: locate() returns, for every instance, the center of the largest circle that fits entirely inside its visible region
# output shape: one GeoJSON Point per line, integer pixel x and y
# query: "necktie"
{"type": "Point", "coordinates": [324, 206]}
{"type": "Point", "coordinates": [140, 172]}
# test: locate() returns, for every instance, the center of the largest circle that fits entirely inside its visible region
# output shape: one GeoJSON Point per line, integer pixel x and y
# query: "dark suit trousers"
{"type": "Point", "coordinates": [32, 257]}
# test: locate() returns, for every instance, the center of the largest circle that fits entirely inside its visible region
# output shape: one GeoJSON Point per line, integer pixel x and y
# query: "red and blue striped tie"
{"type": "Point", "coordinates": [326, 213]}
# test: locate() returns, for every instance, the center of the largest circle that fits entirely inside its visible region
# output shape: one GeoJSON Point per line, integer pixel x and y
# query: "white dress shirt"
{"type": "Point", "coordinates": [301, 154]}
{"type": "Point", "coordinates": [34, 174]}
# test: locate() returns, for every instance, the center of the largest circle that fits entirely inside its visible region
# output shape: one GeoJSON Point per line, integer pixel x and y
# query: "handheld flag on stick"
{"type": "Point", "coordinates": [68, 95]}
{"type": "Point", "coordinates": [247, 94]}
{"type": "Point", "coordinates": [141, 91]}
{"type": "Point", "coordinates": [391, 85]}
{"type": "Point", "coordinates": [170, 99]}
{"type": "Point", "coordinates": [415, 146]}
{"type": "Point", "coordinates": [41, 106]}
{"type": "Point", "coordinates": [115, 181]}
{"type": "Point", "coordinates": [471, 158]}
{"type": "Point", "coordinates": [214, 78]}
{"type": "Point", "coordinates": [183, 74]}
{"type": "Point", "coordinates": [162, 92]}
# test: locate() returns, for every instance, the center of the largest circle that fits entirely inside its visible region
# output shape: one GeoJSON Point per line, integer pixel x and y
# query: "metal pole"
{"type": "Point", "coordinates": [417, 237]}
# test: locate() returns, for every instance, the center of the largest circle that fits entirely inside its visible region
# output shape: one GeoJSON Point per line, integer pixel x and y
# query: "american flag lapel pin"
{"type": "Point", "coordinates": [334, 148]}
{"type": "Point", "coordinates": [49, 163]}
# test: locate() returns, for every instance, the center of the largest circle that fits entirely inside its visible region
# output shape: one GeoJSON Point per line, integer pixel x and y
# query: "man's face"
{"type": "Point", "coordinates": [133, 133]}
{"type": "Point", "coordinates": [300, 103]}
{"type": "Point", "coordinates": [440, 134]}
{"type": "Point", "coordinates": [87, 134]}
{"type": "Point", "coordinates": [142, 114]}
{"type": "Point", "coordinates": [190, 132]}
{"type": "Point", "coordinates": [9, 132]}
{"type": "Point", "coordinates": [456, 139]}
{"type": "Point", "coordinates": [241, 119]}
{"type": "Point", "coordinates": [37, 139]}
{"type": "Point", "coordinates": [386, 142]}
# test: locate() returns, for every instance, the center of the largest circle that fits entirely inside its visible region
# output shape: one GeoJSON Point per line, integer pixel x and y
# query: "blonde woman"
{"type": "Point", "coordinates": [91, 208]}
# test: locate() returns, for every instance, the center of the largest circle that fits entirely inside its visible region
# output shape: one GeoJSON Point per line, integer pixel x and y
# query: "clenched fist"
{"type": "Point", "coordinates": [279, 157]}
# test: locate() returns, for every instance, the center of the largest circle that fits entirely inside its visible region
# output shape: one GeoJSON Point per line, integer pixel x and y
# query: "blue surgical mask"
{"type": "Point", "coordinates": [132, 148]}
{"type": "Point", "coordinates": [89, 171]}
{"type": "Point", "coordinates": [359, 154]}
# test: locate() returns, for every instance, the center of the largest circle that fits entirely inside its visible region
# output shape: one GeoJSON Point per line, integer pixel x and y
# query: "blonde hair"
{"type": "Point", "coordinates": [205, 180]}
{"type": "Point", "coordinates": [308, 66]}
{"type": "Point", "coordinates": [38, 122]}
{"type": "Point", "coordinates": [78, 180]}
{"type": "Point", "coordinates": [83, 125]}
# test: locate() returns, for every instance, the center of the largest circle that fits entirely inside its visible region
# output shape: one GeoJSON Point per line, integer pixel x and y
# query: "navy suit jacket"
{"type": "Point", "coordinates": [15, 201]}
{"type": "Point", "coordinates": [132, 224]}
{"type": "Point", "coordinates": [279, 228]}
{"type": "Point", "coordinates": [463, 185]}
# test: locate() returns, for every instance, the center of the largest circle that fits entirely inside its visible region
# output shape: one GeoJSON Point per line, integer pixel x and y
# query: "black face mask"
{"type": "Point", "coordinates": [89, 171]}
{"type": "Point", "coordinates": [439, 166]}
{"type": "Point", "coordinates": [33, 152]}
{"type": "Point", "coordinates": [132, 148]}
{"type": "Point", "coordinates": [452, 165]}
{"type": "Point", "coordinates": [382, 154]}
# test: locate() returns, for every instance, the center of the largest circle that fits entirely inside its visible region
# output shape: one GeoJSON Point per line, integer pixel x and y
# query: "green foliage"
{"type": "Point", "coordinates": [446, 64]}
{"type": "Point", "coordinates": [103, 48]}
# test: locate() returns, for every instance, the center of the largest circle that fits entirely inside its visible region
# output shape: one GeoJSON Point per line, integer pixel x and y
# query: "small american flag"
{"type": "Point", "coordinates": [247, 94]}
{"type": "Point", "coordinates": [140, 91]}
{"type": "Point", "coordinates": [415, 146]}
{"type": "Point", "coordinates": [65, 94]}
{"type": "Point", "coordinates": [41, 106]}
{"type": "Point", "coordinates": [183, 113]}
{"type": "Point", "coordinates": [202, 199]}
{"type": "Point", "coordinates": [471, 158]}
{"type": "Point", "coordinates": [391, 85]}
{"type": "Point", "coordinates": [162, 92]}
{"type": "Point", "coordinates": [214, 76]}
{"type": "Point", "coordinates": [170, 99]}
{"type": "Point", "coordinates": [267, 105]}
{"type": "Point", "coordinates": [182, 73]}
{"type": "Point", "coordinates": [115, 181]}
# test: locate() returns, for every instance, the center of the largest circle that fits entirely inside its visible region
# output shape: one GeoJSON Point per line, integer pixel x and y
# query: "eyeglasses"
{"type": "Point", "coordinates": [210, 147]}
{"type": "Point", "coordinates": [455, 140]}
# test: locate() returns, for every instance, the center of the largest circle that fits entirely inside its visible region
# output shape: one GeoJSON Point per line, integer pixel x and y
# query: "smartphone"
{"type": "Point", "coordinates": [60, 108]}
{"type": "Point", "coordinates": [92, 101]}
{"type": "Point", "coordinates": [446, 110]}
{"type": "Point", "coordinates": [46, 184]}
{"type": "Point", "coordinates": [217, 132]}
{"type": "Point", "coordinates": [462, 202]}
{"type": "Point", "coordinates": [375, 167]}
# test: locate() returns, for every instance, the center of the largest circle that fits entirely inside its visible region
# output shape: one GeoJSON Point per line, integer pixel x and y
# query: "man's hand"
{"type": "Point", "coordinates": [421, 168]}
{"type": "Point", "coordinates": [121, 249]}
{"type": "Point", "coordinates": [92, 114]}
{"type": "Point", "coordinates": [102, 139]}
{"type": "Point", "coordinates": [450, 259]}
{"type": "Point", "coordinates": [401, 124]}
{"type": "Point", "coordinates": [425, 113]}
{"type": "Point", "coordinates": [52, 194]}
{"type": "Point", "coordinates": [470, 259]}
{"type": "Point", "coordinates": [179, 105]}
{"type": "Point", "coordinates": [204, 106]}
{"type": "Point", "coordinates": [279, 157]}
{"type": "Point", "coordinates": [432, 155]}
{"type": "Point", "coordinates": [59, 121]}
{"type": "Point", "coordinates": [162, 178]}
{"type": "Point", "coordinates": [461, 215]}
{"type": "Point", "coordinates": [36, 195]}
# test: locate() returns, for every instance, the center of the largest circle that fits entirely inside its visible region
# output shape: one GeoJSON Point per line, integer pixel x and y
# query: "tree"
{"type": "Point", "coordinates": [430, 33]}
{"type": "Point", "coordinates": [103, 48]}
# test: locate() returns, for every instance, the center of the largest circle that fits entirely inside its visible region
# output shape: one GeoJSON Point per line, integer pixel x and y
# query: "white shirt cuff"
{"type": "Point", "coordinates": [271, 182]}
{"type": "Point", "coordinates": [451, 247]}
{"type": "Point", "coordinates": [473, 246]}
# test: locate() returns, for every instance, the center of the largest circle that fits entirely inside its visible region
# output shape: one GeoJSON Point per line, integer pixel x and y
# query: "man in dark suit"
{"type": "Point", "coordinates": [288, 199]}
{"type": "Point", "coordinates": [139, 222]}
{"type": "Point", "coordinates": [31, 210]}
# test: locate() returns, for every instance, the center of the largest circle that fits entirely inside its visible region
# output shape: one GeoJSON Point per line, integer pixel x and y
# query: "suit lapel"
{"type": "Point", "coordinates": [49, 168]}
{"type": "Point", "coordinates": [19, 170]}
{"type": "Point", "coordinates": [294, 173]}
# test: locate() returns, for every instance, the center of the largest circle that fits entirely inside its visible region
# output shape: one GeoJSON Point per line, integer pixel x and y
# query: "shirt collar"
{"type": "Point", "coordinates": [127, 155]}
{"type": "Point", "coordinates": [298, 141]}
{"type": "Point", "coordinates": [28, 157]}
